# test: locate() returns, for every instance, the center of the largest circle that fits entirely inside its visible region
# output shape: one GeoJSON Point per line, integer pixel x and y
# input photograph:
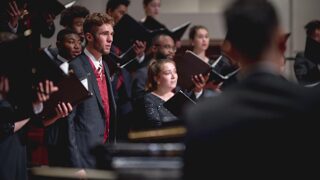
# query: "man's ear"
{"type": "Point", "coordinates": [282, 42]}
{"type": "Point", "coordinates": [89, 36]}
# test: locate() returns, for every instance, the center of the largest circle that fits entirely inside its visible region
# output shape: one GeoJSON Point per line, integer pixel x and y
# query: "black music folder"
{"type": "Point", "coordinates": [176, 33]}
{"type": "Point", "coordinates": [222, 69]}
{"type": "Point", "coordinates": [45, 68]}
{"type": "Point", "coordinates": [117, 62]}
{"type": "Point", "coordinates": [188, 65]}
{"type": "Point", "coordinates": [177, 104]}
{"type": "Point", "coordinates": [51, 6]}
{"type": "Point", "coordinates": [128, 30]}
{"type": "Point", "coordinates": [71, 90]}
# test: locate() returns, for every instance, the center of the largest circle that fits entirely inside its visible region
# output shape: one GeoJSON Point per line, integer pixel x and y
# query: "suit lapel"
{"type": "Point", "coordinates": [92, 78]}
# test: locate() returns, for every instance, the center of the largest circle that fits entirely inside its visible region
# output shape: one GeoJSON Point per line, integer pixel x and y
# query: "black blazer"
{"type": "Point", "coordinates": [86, 123]}
{"type": "Point", "coordinates": [261, 126]}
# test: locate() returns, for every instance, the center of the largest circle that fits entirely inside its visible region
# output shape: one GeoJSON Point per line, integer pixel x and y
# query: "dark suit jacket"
{"type": "Point", "coordinates": [139, 82]}
{"type": "Point", "coordinates": [262, 127]}
{"type": "Point", "coordinates": [123, 98]}
{"type": "Point", "coordinates": [139, 79]}
{"type": "Point", "coordinates": [86, 124]}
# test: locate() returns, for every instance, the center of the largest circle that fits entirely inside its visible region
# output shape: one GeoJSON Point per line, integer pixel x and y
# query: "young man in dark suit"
{"type": "Point", "coordinates": [263, 126]}
{"type": "Point", "coordinates": [69, 47]}
{"type": "Point", "coordinates": [93, 122]}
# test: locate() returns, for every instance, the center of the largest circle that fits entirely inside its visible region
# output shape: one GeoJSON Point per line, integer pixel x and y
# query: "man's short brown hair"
{"type": "Point", "coordinates": [95, 20]}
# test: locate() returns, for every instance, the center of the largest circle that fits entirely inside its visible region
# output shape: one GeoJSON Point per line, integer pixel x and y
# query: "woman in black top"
{"type": "Point", "coordinates": [161, 83]}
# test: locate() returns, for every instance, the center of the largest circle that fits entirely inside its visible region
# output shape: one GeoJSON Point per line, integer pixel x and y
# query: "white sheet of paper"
{"type": "Point", "coordinates": [85, 83]}
{"type": "Point", "coordinates": [65, 67]}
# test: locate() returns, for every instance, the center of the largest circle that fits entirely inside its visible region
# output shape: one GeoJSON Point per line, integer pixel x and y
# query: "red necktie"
{"type": "Point", "coordinates": [99, 70]}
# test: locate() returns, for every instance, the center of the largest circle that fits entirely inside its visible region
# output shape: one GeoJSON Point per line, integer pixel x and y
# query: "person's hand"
{"type": "Point", "coordinates": [14, 13]}
{"type": "Point", "coordinates": [4, 86]}
{"type": "Point", "coordinates": [199, 81]}
{"type": "Point", "coordinates": [44, 89]}
{"type": "Point", "coordinates": [139, 47]}
{"type": "Point", "coordinates": [81, 174]}
{"type": "Point", "coordinates": [63, 109]}
{"type": "Point", "coordinates": [49, 18]}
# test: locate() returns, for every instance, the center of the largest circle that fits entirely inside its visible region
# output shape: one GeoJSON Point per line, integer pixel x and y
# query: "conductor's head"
{"type": "Point", "coordinates": [254, 31]}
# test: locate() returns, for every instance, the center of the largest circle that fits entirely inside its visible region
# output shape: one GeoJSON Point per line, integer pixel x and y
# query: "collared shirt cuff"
{"type": "Point", "coordinates": [198, 94]}
{"type": "Point", "coordinates": [37, 108]}
{"type": "Point", "coordinates": [141, 58]}
{"type": "Point", "coordinates": [13, 29]}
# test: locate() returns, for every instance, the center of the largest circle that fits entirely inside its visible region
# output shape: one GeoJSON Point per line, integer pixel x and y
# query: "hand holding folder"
{"type": "Point", "coordinates": [188, 65]}
{"type": "Point", "coordinates": [222, 69]}
{"type": "Point", "coordinates": [71, 90]}
{"type": "Point", "coordinates": [128, 30]}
